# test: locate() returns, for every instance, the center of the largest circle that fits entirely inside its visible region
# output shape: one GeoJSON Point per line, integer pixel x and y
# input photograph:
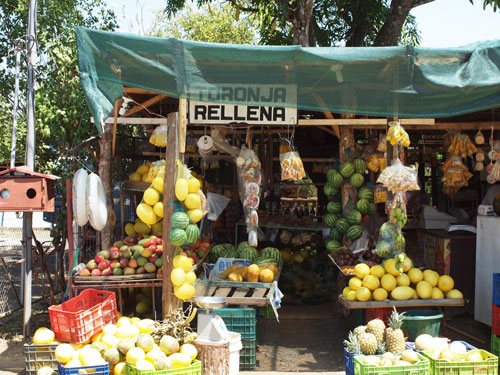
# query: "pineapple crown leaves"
{"type": "Point", "coordinates": [352, 343]}
{"type": "Point", "coordinates": [396, 319]}
{"type": "Point", "coordinates": [381, 348]}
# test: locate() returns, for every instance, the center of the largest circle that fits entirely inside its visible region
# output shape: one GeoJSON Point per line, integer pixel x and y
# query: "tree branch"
{"type": "Point", "coordinates": [235, 4]}
{"type": "Point", "coordinates": [417, 3]}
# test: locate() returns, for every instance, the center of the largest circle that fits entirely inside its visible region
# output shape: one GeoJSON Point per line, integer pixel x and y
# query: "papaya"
{"type": "Point", "coordinates": [253, 273]}
{"type": "Point", "coordinates": [235, 276]}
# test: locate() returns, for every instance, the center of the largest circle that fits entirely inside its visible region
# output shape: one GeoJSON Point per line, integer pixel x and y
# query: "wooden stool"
{"type": "Point", "coordinates": [214, 357]}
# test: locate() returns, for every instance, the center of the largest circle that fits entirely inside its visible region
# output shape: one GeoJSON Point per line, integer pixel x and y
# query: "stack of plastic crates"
{"type": "Point", "coordinates": [243, 321]}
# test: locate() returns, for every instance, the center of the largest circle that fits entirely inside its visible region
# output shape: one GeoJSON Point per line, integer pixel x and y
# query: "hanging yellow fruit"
{"type": "Point", "coordinates": [146, 213]}
{"type": "Point", "coordinates": [193, 185]}
{"type": "Point", "coordinates": [157, 227]}
{"type": "Point", "coordinates": [195, 215]}
{"type": "Point", "coordinates": [178, 276]}
{"type": "Point", "coordinates": [151, 196]}
{"type": "Point", "coordinates": [158, 209]}
{"type": "Point", "coordinates": [184, 292]}
{"type": "Point", "coordinates": [158, 184]}
{"type": "Point", "coordinates": [192, 201]}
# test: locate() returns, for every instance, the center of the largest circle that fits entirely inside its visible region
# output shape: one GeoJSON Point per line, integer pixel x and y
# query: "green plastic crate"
{"type": "Point", "coordinates": [38, 356]}
{"type": "Point", "coordinates": [422, 367]}
{"type": "Point", "coordinates": [495, 345]}
{"type": "Point", "coordinates": [193, 369]}
{"type": "Point", "coordinates": [248, 359]}
{"type": "Point", "coordinates": [487, 367]}
{"type": "Point", "coordinates": [242, 320]}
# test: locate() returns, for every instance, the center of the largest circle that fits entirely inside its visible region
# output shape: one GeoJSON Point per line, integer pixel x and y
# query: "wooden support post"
{"type": "Point", "coordinates": [182, 125]}
{"type": "Point", "coordinates": [169, 301]}
{"type": "Point", "coordinates": [214, 357]}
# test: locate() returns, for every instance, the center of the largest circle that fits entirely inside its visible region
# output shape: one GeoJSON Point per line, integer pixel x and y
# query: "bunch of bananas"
{"type": "Point", "coordinates": [397, 134]}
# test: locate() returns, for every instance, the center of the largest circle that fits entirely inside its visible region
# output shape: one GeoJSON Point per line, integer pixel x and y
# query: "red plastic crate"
{"type": "Point", "coordinates": [384, 313]}
{"type": "Point", "coordinates": [77, 319]}
{"type": "Point", "coordinates": [495, 319]}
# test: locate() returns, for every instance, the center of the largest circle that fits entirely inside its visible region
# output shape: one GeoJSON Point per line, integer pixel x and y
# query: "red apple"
{"type": "Point", "coordinates": [152, 248]}
{"type": "Point", "coordinates": [91, 265]}
{"type": "Point", "coordinates": [98, 258]}
{"type": "Point", "coordinates": [96, 272]}
{"type": "Point", "coordinates": [85, 272]}
{"type": "Point", "coordinates": [124, 262]}
{"type": "Point", "coordinates": [107, 272]}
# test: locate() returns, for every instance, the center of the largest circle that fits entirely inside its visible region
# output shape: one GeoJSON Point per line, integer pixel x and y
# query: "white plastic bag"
{"type": "Point", "coordinates": [216, 204]}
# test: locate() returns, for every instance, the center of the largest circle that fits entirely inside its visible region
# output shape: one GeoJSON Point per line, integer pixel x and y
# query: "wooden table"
{"type": "Point", "coordinates": [388, 303]}
{"type": "Point", "coordinates": [117, 282]}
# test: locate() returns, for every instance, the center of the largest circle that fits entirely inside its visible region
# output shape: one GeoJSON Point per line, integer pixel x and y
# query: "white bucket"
{"type": "Point", "coordinates": [234, 353]}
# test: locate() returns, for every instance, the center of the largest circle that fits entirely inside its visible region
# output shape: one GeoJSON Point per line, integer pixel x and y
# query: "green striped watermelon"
{"type": "Point", "coordinates": [342, 225]}
{"type": "Point", "coordinates": [242, 246]}
{"type": "Point", "coordinates": [249, 253]}
{"type": "Point", "coordinates": [334, 207]}
{"type": "Point", "coordinates": [271, 252]}
{"type": "Point", "coordinates": [179, 220]}
{"type": "Point", "coordinates": [354, 217]}
{"type": "Point", "coordinates": [360, 166]}
{"type": "Point", "coordinates": [362, 205]}
{"type": "Point", "coordinates": [219, 251]}
{"type": "Point", "coordinates": [263, 261]}
{"type": "Point", "coordinates": [354, 232]}
{"type": "Point", "coordinates": [177, 237]}
{"type": "Point", "coordinates": [331, 245]}
{"type": "Point", "coordinates": [372, 209]}
{"type": "Point", "coordinates": [192, 233]}
{"type": "Point", "coordinates": [330, 190]}
{"type": "Point", "coordinates": [357, 180]}
{"type": "Point", "coordinates": [330, 175]}
{"type": "Point", "coordinates": [330, 219]}
{"type": "Point", "coordinates": [365, 193]}
{"type": "Point", "coordinates": [388, 231]}
{"type": "Point", "coordinates": [383, 249]}
{"type": "Point", "coordinates": [347, 169]}
{"type": "Point", "coordinates": [335, 234]}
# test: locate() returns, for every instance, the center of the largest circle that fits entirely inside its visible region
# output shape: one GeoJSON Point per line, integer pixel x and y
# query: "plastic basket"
{"type": "Point", "coordinates": [77, 319]}
{"type": "Point", "coordinates": [496, 289]}
{"type": "Point", "coordinates": [193, 369]}
{"type": "Point", "coordinates": [495, 345]}
{"type": "Point", "coordinates": [422, 367]}
{"type": "Point", "coordinates": [94, 370]}
{"type": "Point", "coordinates": [419, 321]}
{"type": "Point", "coordinates": [411, 345]}
{"type": "Point", "coordinates": [495, 320]}
{"type": "Point", "coordinates": [349, 362]}
{"type": "Point", "coordinates": [38, 356]}
{"type": "Point", "coordinates": [248, 359]}
{"type": "Point", "coordinates": [487, 367]}
{"type": "Point", "coordinates": [241, 320]}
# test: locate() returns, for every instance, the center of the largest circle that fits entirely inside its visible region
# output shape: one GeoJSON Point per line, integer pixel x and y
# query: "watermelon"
{"type": "Point", "coordinates": [332, 245]}
{"type": "Point", "coordinates": [363, 205]}
{"type": "Point", "coordinates": [334, 207]}
{"type": "Point", "coordinates": [230, 253]}
{"type": "Point", "coordinates": [271, 252]}
{"type": "Point", "coordinates": [383, 249]}
{"type": "Point", "coordinates": [347, 169]}
{"type": "Point", "coordinates": [192, 233]}
{"type": "Point", "coordinates": [365, 193]}
{"type": "Point", "coordinates": [263, 261]}
{"type": "Point", "coordinates": [242, 246]}
{"type": "Point", "coordinates": [342, 225]}
{"type": "Point", "coordinates": [179, 220]}
{"type": "Point", "coordinates": [330, 219]}
{"type": "Point", "coordinates": [354, 217]}
{"type": "Point", "coordinates": [496, 205]}
{"type": "Point", "coordinates": [357, 180]}
{"type": "Point", "coordinates": [177, 237]}
{"type": "Point", "coordinates": [359, 165]}
{"type": "Point", "coordinates": [354, 232]}
{"type": "Point", "coordinates": [333, 177]}
{"type": "Point", "coordinates": [388, 231]}
{"type": "Point", "coordinates": [249, 253]}
{"type": "Point", "coordinates": [372, 209]}
{"type": "Point", "coordinates": [220, 250]}
{"type": "Point", "coordinates": [335, 234]}
{"type": "Point", "coordinates": [330, 190]}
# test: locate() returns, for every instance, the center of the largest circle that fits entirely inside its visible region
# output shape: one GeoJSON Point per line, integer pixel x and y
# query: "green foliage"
{"type": "Point", "coordinates": [217, 23]}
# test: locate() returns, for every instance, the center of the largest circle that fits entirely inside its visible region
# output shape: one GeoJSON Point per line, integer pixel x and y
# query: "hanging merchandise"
{"type": "Point", "coordinates": [456, 175]}
{"type": "Point", "coordinates": [397, 135]}
{"type": "Point", "coordinates": [391, 239]}
{"type": "Point", "coordinates": [97, 206]}
{"type": "Point", "coordinates": [157, 169]}
{"type": "Point", "coordinates": [159, 136]}
{"type": "Point", "coordinates": [398, 177]}
{"type": "Point", "coordinates": [249, 181]}
{"type": "Point", "coordinates": [382, 143]}
{"type": "Point", "coordinates": [479, 138]}
{"type": "Point", "coordinates": [292, 168]}
{"type": "Point", "coordinates": [79, 197]}
{"type": "Point", "coordinates": [462, 146]}
{"type": "Point", "coordinates": [205, 145]}
{"type": "Point", "coordinates": [380, 194]}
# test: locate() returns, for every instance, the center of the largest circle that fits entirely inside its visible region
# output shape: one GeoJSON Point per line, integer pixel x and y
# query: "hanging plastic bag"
{"type": "Point", "coordinates": [216, 204]}
{"type": "Point", "coordinates": [398, 177]}
{"type": "Point", "coordinates": [292, 168]}
{"type": "Point", "coordinates": [159, 136]}
{"type": "Point", "coordinates": [380, 194]}
{"type": "Point", "coordinates": [382, 143]}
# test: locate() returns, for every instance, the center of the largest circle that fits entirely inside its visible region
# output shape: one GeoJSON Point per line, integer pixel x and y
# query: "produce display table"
{"type": "Point", "coordinates": [406, 303]}
{"type": "Point", "coordinates": [236, 293]}
{"type": "Point", "coordinates": [117, 282]}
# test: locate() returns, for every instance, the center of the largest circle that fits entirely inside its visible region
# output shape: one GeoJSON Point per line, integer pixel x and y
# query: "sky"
{"type": "Point", "coordinates": [442, 23]}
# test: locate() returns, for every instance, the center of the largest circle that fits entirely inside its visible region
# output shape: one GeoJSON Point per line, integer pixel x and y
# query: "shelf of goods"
{"type": "Point", "coordinates": [117, 282]}
{"type": "Point", "coordinates": [406, 303]}
{"type": "Point", "coordinates": [239, 293]}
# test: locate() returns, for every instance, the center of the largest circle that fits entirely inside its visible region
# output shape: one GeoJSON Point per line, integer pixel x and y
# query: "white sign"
{"type": "Point", "coordinates": [212, 111]}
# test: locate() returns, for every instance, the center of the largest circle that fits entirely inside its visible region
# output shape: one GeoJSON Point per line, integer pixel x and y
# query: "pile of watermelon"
{"type": "Point", "coordinates": [266, 256]}
{"type": "Point", "coordinates": [182, 231]}
{"type": "Point", "coordinates": [347, 224]}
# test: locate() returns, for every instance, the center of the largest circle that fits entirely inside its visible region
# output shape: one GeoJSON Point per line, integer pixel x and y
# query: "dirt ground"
{"type": "Point", "coordinates": [306, 339]}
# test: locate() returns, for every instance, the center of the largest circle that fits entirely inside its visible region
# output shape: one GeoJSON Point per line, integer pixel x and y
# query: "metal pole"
{"type": "Point", "coordinates": [16, 102]}
{"type": "Point", "coordinates": [30, 161]}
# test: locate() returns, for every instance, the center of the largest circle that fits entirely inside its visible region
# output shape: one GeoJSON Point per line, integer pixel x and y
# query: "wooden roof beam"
{"type": "Point", "coordinates": [143, 106]}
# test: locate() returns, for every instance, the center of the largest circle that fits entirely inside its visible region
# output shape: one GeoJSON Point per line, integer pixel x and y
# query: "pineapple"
{"type": "Point", "coordinates": [394, 337]}
{"type": "Point", "coordinates": [376, 327]}
{"type": "Point", "coordinates": [368, 343]}
{"type": "Point", "coordinates": [381, 347]}
{"type": "Point", "coordinates": [359, 330]}
{"type": "Point", "coordinates": [352, 343]}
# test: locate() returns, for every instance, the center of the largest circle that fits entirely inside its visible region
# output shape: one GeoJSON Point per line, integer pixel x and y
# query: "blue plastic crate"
{"type": "Point", "coordinates": [349, 362]}
{"type": "Point", "coordinates": [496, 288]}
{"type": "Point", "coordinates": [95, 370]}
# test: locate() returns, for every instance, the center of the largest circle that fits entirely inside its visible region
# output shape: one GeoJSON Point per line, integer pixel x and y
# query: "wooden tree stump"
{"type": "Point", "coordinates": [214, 357]}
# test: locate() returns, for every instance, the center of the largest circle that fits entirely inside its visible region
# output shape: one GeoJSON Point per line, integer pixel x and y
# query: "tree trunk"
{"type": "Point", "coordinates": [214, 357]}
{"type": "Point", "coordinates": [300, 15]}
{"type": "Point", "coordinates": [391, 30]}
{"type": "Point", "coordinates": [105, 164]}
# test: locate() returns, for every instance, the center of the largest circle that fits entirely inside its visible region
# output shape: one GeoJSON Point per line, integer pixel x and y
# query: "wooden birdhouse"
{"type": "Point", "coordinates": [23, 190]}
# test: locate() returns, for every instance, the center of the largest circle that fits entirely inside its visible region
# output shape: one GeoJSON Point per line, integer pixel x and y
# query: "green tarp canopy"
{"type": "Point", "coordinates": [401, 81]}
